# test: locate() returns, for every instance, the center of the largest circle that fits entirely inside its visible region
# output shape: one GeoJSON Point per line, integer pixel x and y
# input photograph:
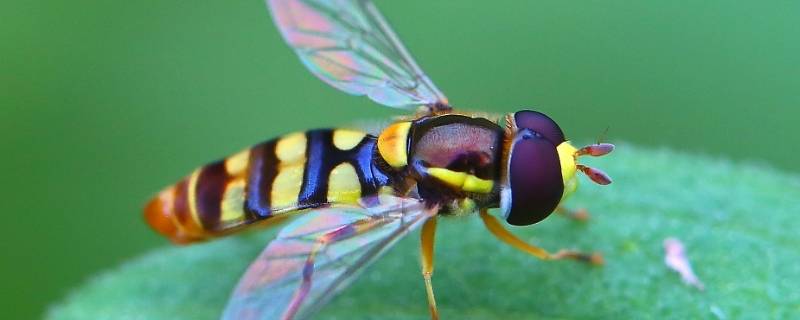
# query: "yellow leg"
{"type": "Point", "coordinates": [579, 214]}
{"type": "Point", "coordinates": [426, 250]}
{"type": "Point", "coordinates": [504, 235]}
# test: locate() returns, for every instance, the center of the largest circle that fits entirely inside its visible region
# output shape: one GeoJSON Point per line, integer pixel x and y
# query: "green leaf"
{"type": "Point", "coordinates": [739, 223]}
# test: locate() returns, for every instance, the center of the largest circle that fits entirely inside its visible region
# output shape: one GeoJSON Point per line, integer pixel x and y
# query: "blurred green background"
{"type": "Point", "coordinates": [103, 103]}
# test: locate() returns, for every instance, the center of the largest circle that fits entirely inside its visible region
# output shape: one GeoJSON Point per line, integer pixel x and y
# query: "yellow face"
{"type": "Point", "coordinates": [566, 154]}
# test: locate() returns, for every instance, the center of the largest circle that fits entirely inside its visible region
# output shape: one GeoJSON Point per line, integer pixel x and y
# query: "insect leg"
{"type": "Point", "coordinates": [426, 250]}
{"type": "Point", "coordinates": [574, 214]}
{"type": "Point", "coordinates": [504, 235]}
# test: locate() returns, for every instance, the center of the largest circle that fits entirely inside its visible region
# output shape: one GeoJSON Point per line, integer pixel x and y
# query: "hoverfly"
{"type": "Point", "coordinates": [350, 195]}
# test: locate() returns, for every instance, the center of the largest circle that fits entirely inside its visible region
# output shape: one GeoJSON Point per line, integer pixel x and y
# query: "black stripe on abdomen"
{"type": "Point", "coordinates": [209, 189]}
{"type": "Point", "coordinates": [262, 170]}
{"type": "Point", "coordinates": [321, 156]}
{"type": "Point", "coordinates": [324, 156]}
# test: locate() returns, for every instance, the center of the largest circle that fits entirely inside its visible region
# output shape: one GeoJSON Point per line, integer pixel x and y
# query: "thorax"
{"type": "Point", "coordinates": [449, 160]}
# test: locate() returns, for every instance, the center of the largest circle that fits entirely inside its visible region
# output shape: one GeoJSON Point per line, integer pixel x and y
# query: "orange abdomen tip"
{"type": "Point", "coordinates": [161, 214]}
{"type": "Point", "coordinates": [158, 214]}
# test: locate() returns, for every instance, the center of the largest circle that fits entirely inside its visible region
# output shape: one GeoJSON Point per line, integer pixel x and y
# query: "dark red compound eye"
{"type": "Point", "coordinates": [540, 123]}
{"type": "Point", "coordinates": [534, 173]}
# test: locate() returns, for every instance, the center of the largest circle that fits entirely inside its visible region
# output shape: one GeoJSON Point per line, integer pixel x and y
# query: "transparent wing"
{"type": "Point", "coordinates": [318, 254]}
{"type": "Point", "coordinates": [349, 45]}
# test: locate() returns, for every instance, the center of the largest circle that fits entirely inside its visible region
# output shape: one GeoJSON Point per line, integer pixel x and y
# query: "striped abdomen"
{"type": "Point", "coordinates": [298, 171]}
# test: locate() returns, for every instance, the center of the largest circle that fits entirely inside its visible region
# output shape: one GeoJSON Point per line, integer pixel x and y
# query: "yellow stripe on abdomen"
{"type": "Point", "coordinates": [345, 139]}
{"type": "Point", "coordinates": [291, 153]}
{"type": "Point", "coordinates": [287, 186]}
{"type": "Point", "coordinates": [343, 184]}
{"type": "Point", "coordinates": [232, 206]}
{"type": "Point", "coordinates": [291, 148]}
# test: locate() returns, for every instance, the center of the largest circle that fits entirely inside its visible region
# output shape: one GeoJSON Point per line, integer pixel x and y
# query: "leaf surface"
{"type": "Point", "coordinates": [739, 223]}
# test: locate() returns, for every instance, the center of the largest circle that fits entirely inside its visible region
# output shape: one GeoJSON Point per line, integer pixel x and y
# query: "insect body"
{"type": "Point", "coordinates": [292, 173]}
{"type": "Point", "coordinates": [349, 195]}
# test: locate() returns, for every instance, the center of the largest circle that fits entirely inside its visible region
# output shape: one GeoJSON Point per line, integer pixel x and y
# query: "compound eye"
{"type": "Point", "coordinates": [541, 124]}
{"type": "Point", "coordinates": [534, 174]}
